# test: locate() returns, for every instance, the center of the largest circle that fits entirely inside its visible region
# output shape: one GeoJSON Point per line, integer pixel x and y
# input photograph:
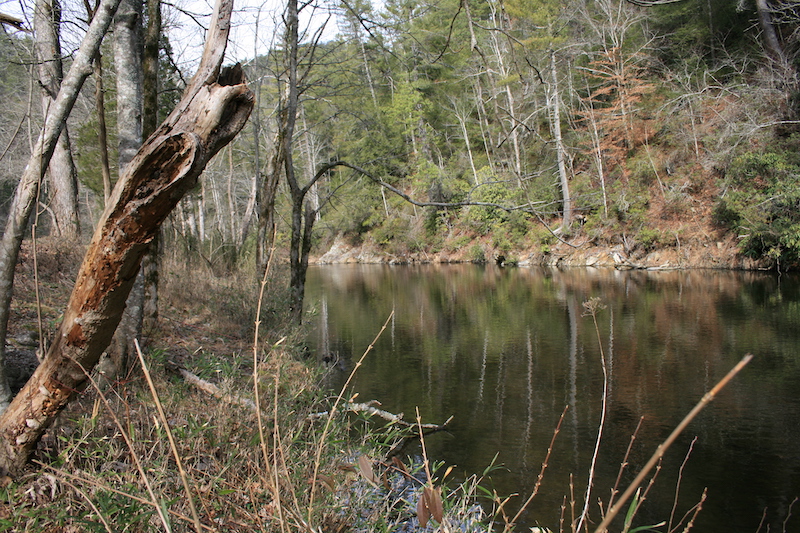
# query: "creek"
{"type": "Point", "coordinates": [504, 350]}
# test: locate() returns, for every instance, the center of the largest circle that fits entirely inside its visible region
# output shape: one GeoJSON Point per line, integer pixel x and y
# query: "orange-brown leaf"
{"type": "Point", "coordinates": [422, 510]}
{"type": "Point", "coordinates": [327, 480]}
{"type": "Point", "coordinates": [365, 468]}
{"type": "Point", "coordinates": [433, 498]}
{"type": "Point", "coordinates": [398, 464]}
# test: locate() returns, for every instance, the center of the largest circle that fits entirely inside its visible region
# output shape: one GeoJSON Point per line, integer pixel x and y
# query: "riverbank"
{"type": "Point", "coordinates": [294, 464]}
{"type": "Point", "coordinates": [708, 253]}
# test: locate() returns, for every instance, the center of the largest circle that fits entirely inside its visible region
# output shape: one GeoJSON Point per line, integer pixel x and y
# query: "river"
{"type": "Point", "coordinates": [505, 350]}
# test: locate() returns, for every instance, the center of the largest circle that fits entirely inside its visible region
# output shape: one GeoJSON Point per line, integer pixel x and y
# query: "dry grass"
{"type": "Point", "coordinates": [168, 457]}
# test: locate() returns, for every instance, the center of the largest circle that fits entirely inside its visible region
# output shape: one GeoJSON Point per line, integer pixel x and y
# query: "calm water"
{"type": "Point", "coordinates": [505, 350]}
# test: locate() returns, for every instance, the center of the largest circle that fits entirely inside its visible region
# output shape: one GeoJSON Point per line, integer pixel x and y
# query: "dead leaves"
{"type": "Point", "coordinates": [430, 505]}
{"type": "Point", "coordinates": [365, 469]}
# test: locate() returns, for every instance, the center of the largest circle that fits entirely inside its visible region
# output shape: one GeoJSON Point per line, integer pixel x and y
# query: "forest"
{"type": "Point", "coordinates": [645, 124]}
{"type": "Point", "coordinates": [627, 133]}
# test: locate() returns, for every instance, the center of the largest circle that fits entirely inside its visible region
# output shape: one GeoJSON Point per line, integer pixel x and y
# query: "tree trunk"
{"type": "Point", "coordinates": [149, 124]}
{"type": "Point", "coordinates": [102, 132]}
{"type": "Point", "coordinates": [128, 65]}
{"type": "Point", "coordinates": [555, 118]}
{"type": "Point", "coordinates": [212, 111]}
{"type": "Point", "coordinates": [62, 174]}
{"type": "Point", "coordinates": [266, 195]}
{"type": "Point", "coordinates": [28, 188]}
{"type": "Point", "coordinates": [289, 119]}
{"type": "Point", "coordinates": [100, 109]}
{"type": "Point", "coordinates": [771, 41]}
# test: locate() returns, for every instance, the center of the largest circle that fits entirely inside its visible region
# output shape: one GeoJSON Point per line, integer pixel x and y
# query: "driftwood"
{"type": "Point", "coordinates": [213, 109]}
{"type": "Point", "coordinates": [368, 408]}
{"type": "Point", "coordinates": [209, 388]}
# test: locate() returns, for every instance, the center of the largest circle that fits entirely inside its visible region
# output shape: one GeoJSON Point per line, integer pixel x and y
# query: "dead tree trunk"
{"type": "Point", "coordinates": [213, 109]}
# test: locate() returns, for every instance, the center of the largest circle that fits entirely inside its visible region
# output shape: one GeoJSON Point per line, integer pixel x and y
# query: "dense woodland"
{"type": "Point", "coordinates": [623, 122]}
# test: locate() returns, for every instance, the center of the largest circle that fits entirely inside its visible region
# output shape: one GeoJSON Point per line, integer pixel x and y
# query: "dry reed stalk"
{"type": "Point", "coordinates": [624, 464]}
{"type": "Point", "coordinates": [538, 483]}
{"type": "Point", "coordinates": [694, 511]}
{"type": "Point", "coordinates": [662, 448]}
{"type": "Point", "coordinates": [332, 412]}
{"type": "Point", "coordinates": [279, 460]}
{"type": "Point", "coordinates": [91, 504]}
{"type": "Point", "coordinates": [678, 487]}
{"type": "Point", "coordinates": [592, 306]}
{"type": "Point", "coordinates": [103, 486]}
{"type": "Point", "coordinates": [131, 449]}
{"type": "Point", "coordinates": [572, 503]}
{"type": "Point", "coordinates": [763, 519]}
{"type": "Point", "coordinates": [173, 447]}
{"type": "Point", "coordinates": [643, 495]}
{"type": "Point", "coordinates": [789, 514]}
{"type": "Point", "coordinates": [271, 476]}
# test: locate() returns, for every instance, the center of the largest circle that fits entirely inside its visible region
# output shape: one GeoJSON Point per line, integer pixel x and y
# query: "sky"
{"type": "Point", "coordinates": [253, 25]}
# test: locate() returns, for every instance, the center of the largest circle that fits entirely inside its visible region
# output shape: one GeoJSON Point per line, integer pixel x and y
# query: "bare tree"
{"type": "Point", "coordinates": [28, 188]}
{"type": "Point", "coordinates": [150, 119]}
{"type": "Point", "coordinates": [61, 172]}
{"type": "Point", "coordinates": [100, 110]}
{"type": "Point", "coordinates": [213, 109]}
{"type": "Point", "coordinates": [128, 65]}
{"type": "Point", "coordinates": [554, 101]}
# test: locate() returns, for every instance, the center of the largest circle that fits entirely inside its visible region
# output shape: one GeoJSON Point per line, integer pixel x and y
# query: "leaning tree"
{"type": "Point", "coordinates": [213, 109]}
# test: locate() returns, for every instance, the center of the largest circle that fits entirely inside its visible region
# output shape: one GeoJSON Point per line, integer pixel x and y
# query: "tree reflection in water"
{"type": "Point", "coordinates": [504, 350]}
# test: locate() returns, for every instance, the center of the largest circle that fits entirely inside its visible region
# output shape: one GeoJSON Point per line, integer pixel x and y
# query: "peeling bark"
{"type": "Point", "coordinates": [213, 110]}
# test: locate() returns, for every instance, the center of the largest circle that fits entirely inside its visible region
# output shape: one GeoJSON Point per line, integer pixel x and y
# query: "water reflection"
{"type": "Point", "coordinates": [504, 350]}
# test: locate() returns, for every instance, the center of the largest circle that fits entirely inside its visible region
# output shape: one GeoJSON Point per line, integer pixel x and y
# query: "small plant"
{"type": "Point", "coordinates": [477, 254]}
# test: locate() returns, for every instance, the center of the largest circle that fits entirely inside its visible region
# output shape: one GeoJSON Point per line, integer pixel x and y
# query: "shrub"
{"type": "Point", "coordinates": [477, 254]}
{"type": "Point", "coordinates": [763, 205]}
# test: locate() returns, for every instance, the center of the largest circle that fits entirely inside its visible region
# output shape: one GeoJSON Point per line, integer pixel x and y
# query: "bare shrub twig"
{"type": "Point", "coordinates": [662, 448]}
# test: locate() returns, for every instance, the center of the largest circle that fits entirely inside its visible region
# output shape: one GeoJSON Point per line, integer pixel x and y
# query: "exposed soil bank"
{"type": "Point", "coordinates": [718, 254]}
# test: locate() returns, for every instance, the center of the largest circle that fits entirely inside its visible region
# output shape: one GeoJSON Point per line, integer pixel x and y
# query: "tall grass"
{"type": "Point", "coordinates": [153, 453]}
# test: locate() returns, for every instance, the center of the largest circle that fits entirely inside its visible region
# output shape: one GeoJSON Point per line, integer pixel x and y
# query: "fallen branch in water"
{"type": "Point", "coordinates": [369, 409]}
{"type": "Point", "coordinates": [391, 417]}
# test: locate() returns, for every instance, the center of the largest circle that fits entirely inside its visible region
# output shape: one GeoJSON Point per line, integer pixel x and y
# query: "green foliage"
{"type": "Point", "coordinates": [485, 219]}
{"type": "Point", "coordinates": [477, 254]}
{"type": "Point", "coordinates": [696, 29]}
{"type": "Point", "coordinates": [761, 170]}
{"type": "Point", "coordinates": [763, 205]}
{"type": "Point", "coordinates": [649, 238]}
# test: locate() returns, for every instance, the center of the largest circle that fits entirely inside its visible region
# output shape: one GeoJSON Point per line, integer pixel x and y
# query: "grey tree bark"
{"type": "Point", "coordinates": [62, 175]}
{"type": "Point", "coordinates": [213, 109]}
{"type": "Point", "coordinates": [28, 188]}
{"type": "Point", "coordinates": [128, 65]}
{"type": "Point", "coordinates": [150, 84]}
{"type": "Point", "coordinates": [555, 122]}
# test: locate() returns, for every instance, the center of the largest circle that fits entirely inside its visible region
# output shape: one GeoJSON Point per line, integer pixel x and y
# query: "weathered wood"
{"type": "Point", "coordinates": [213, 109]}
{"type": "Point", "coordinates": [210, 388]}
